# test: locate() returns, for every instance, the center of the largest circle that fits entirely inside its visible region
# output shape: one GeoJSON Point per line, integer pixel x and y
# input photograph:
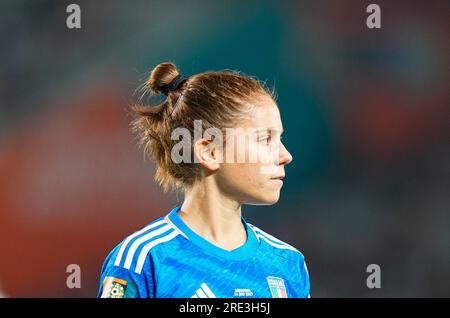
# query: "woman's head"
{"type": "Point", "coordinates": [224, 126]}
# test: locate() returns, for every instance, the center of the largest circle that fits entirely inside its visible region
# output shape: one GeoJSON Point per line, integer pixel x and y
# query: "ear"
{"type": "Point", "coordinates": [207, 154]}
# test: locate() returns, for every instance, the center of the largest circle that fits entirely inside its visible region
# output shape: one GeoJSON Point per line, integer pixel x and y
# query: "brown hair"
{"type": "Point", "coordinates": [218, 99]}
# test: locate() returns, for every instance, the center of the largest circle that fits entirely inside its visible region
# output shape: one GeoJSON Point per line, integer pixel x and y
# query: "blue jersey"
{"type": "Point", "coordinates": [167, 259]}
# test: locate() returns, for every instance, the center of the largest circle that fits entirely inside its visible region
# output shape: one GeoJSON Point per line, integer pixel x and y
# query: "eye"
{"type": "Point", "coordinates": [266, 140]}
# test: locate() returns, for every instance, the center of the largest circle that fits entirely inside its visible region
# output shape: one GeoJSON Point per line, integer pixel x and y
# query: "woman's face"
{"type": "Point", "coordinates": [253, 165]}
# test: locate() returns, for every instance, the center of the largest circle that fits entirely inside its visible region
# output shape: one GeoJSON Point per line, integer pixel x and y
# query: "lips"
{"type": "Point", "coordinates": [280, 177]}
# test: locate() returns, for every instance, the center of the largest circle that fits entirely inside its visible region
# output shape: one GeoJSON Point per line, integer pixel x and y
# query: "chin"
{"type": "Point", "coordinates": [265, 200]}
{"type": "Point", "coordinates": [273, 201]}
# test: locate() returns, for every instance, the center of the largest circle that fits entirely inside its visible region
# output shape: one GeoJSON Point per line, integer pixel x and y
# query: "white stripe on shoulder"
{"type": "Point", "coordinates": [280, 246]}
{"type": "Point", "coordinates": [146, 249]}
{"type": "Point", "coordinates": [166, 218]}
{"type": "Point", "coordinates": [142, 239]}
{"type": "Point", "coordinates": [132, 236]}
{"type": "Point", "coordinates": [253, 230]}
{"type": "Point", "coordinates": [273, 240]}
{"type": "Point", "coordinates": [306, 268]}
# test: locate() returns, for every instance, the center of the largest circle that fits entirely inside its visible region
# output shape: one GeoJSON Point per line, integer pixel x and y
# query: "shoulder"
{"type": "Point", "coordinates": [276, 245]}
{"type": "Point", "coordinates": [131, 254]}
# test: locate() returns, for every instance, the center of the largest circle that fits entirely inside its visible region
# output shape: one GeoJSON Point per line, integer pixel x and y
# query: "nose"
{"type": "Point", "coordinates": [285, 156]}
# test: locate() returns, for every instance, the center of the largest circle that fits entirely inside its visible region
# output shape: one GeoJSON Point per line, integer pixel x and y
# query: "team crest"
{"type": "Point", "coordinates": [277, 287]}
{"type": "Point", "coordinates": [114, 288]}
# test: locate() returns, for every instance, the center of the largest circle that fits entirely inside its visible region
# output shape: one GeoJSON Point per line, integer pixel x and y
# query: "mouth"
{"type": "Point", "coordinates": [280, 177]}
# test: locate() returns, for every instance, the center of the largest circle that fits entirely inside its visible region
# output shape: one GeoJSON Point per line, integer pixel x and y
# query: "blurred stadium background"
{"type": "Point", "coordinates": [366, 114]}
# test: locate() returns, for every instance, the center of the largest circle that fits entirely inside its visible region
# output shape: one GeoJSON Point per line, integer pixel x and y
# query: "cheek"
{"type": "Point", "coordinates": [246, 174]}
{"type": "Point", "coordinates": [260, 166]}
{"type": "Point", "coordinates": [265, 166]}
{"type": "Point", "coordinates": [262, 153]}
{"type": "Point", "coordinates": [243, 178]}
{"type": "Point", "coordinates": [230, 176]}
{"type": "Point", "coordinates": [254, 177]}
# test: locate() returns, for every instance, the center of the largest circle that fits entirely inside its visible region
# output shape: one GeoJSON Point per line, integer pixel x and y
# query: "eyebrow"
{"type": "Point", "coordinates": [268, 130]}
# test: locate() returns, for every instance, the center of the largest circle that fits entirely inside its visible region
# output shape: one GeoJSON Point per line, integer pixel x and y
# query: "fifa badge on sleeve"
{"type": "Point", "coordinates": [114, 288]}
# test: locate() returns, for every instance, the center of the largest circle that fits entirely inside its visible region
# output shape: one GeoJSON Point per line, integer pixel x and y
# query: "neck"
{"type": "Point", "coordinates": [213, 216]}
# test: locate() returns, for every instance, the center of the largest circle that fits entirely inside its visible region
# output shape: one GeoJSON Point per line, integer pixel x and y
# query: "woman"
{"type": "Point", "coordinates": [205, 248]}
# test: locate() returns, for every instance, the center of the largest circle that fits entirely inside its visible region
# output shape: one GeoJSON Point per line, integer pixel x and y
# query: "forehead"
{"type": "Point", "coordinates": [265, 115]}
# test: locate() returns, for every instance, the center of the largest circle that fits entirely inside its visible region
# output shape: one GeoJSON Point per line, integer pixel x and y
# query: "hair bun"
{"type": "Point", "coordinates": [161, 78]}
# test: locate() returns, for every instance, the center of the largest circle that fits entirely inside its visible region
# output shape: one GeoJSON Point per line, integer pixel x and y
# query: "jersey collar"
{"type": "Point", "coordinates": [243, 252]}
